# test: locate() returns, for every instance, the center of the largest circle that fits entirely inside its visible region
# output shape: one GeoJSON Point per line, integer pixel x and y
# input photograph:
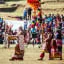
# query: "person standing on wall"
{"type": "Point", "coordinates": [29, 13]}
{"type": "Point", "coordinates": [25, 14]}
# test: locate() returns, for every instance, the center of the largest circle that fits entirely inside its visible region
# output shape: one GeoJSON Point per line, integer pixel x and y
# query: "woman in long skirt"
{"type": "Point", "coordinates": [53, 48]}
{"type": "Point", "coordinates": [59, 43]}
{"type": "Point", "coordinates": [19, 49]}
{"type": "Point", "coordinates": [48, 44]}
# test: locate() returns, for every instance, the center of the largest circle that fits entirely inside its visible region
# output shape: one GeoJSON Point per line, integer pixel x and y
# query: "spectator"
{"type": "Point", "coordinates": [29, 13]}
{"type": "Point", "coordinates": [25, 13]}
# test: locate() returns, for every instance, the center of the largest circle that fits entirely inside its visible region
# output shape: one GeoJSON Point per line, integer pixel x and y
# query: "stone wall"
{"type": "Point", "coordinates": [9, 9]}
{"type": "Point", "coordinates": [52, 0]}
{"type": "Point", "coordinates": [2, 1]}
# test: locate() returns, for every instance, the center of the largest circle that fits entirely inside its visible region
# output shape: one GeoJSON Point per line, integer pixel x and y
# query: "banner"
{"type": "Point", "coordinates": [34, 4]}
{"type": "Point", "coordinates": [15, 24]}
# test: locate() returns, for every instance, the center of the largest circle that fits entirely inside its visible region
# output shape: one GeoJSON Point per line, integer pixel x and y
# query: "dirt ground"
{"type": "Point", "coordinates": [31, 56]}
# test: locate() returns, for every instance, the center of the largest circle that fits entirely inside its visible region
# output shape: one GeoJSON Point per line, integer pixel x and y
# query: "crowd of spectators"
{"type": "Point", "coordinates": [49, 22]}
{"type": "Point", "coordinates": [49, 29]}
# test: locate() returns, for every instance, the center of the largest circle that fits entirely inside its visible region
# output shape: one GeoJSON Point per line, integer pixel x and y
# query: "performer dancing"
{"type": "Point", "coordinates": [59, 43]}
{"type": "Point", "coordinates": [43, 46]}
{"type": "Point", "coordinates": [19, 49]}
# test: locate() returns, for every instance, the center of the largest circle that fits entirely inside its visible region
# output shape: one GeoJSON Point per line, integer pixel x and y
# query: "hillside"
{"type": "Point", "coordinates": [50, 6]}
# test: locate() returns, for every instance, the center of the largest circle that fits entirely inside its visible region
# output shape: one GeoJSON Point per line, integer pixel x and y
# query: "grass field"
{"type": "Point", "coordinates": [31, 56]}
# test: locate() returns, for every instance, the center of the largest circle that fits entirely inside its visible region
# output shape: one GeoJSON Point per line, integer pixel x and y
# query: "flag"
{"type": "Point", "coordinates": [34, 4]}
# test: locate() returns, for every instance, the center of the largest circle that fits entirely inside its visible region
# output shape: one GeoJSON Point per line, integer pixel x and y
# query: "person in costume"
{"type": "Point", "coordinates": [43, 46]}
{"type": "Point", "coordinates": [19, 48]}
{"type": "Point", "coordinates": [48, 42]}
{"type": "Point", "coordinates": [53, 48]}
{"type": "Point", "coordinates": [34, 34]}
{"type": "Point", "coordinates": [59, 43]}
{"type": "Point", "coordinates": [56, 46]}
